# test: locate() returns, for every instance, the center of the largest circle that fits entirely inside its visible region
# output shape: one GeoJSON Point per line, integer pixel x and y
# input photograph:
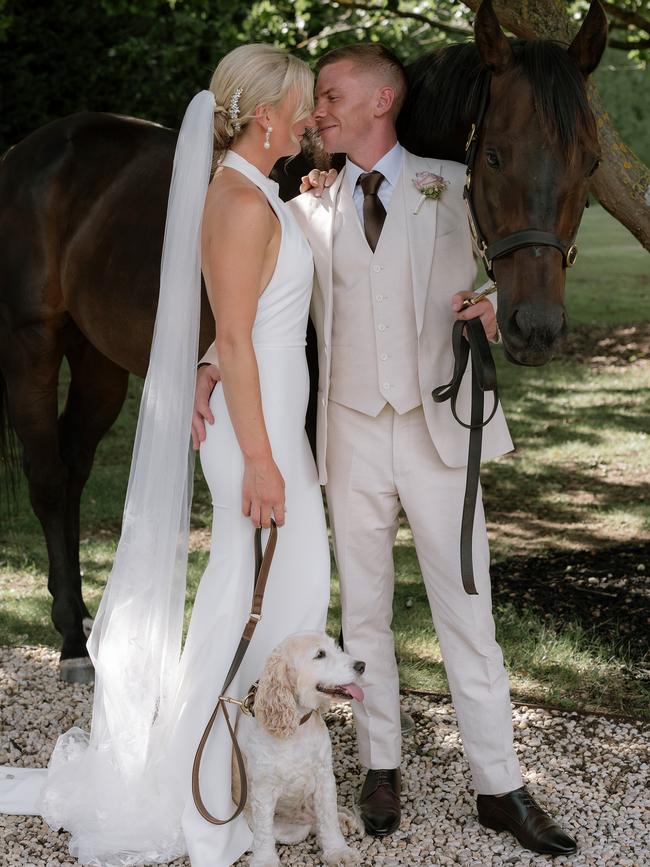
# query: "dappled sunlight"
{"type": "Point", "coordinates": [610, 347]}
{"type": "Point", "coordinates": [582, 461]}
{"type": "Point", "coordinates": [200, 539]}
{"type": "Point", "coordinates": [415, 648]}
{"type": "Point", "coordinates": [404, 534]}
{"type": "Point", "coordinates": [521, 533]}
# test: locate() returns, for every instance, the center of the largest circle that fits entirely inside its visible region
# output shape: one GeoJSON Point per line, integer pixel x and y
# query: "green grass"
{"type": "Point", "coordinates": [579, 479]}
{"type": "Point", "coordinates": [610, 284]}
{"type": "Point", "coordinates": [580, 474]}
{"type": "Point", "coordinates": [582, 432]}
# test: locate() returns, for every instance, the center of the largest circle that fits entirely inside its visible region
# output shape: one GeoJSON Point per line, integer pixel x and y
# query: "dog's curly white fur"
{"type": "Point", "coordinates": [291, 787]}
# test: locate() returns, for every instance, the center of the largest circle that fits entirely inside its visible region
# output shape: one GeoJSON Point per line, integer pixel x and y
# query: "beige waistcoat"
{"type": "Point", "coordinates": [374, 336]}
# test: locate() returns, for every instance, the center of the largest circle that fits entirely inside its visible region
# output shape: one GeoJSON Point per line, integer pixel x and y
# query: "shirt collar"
{"type": "Point", "coordinates": [390, 165]}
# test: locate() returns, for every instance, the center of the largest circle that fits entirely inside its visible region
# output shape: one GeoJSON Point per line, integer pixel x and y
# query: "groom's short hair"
{"type": "Point", "coordinates": [372, 55]}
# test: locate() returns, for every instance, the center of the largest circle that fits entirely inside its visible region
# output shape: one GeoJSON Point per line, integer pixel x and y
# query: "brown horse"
{"type": "Point", "coordinates": [532, 154]}
{"type": "Point", "coordinates": [82, 212]}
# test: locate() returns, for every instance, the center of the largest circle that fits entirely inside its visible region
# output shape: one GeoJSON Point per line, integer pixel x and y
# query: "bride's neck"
{"type": "Point", "coordinates": [251, 153]}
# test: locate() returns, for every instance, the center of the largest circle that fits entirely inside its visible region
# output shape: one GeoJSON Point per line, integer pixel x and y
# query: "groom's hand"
{"type": "Point", "coordinates": [208, 375]}
{"type": "Point", "coordinates": [483, 309]}
{"type": "Point", "coordinates": [316, 181]}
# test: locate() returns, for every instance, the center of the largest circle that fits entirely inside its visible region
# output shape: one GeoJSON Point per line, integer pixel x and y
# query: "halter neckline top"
{"type": "Point", "coordinates": [283, 306]}
{"type": "Point", "coordinates": [235, 161]}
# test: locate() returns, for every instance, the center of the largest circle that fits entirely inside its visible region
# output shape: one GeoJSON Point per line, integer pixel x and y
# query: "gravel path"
{"type": "Point", "coordinates": [592, 771]}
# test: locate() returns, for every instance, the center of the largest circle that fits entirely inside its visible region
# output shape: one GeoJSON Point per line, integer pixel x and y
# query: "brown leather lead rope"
{"type": "Point", "coordinates": [484, 378]}
{"type": "Point", "coordinates": [262, 567]}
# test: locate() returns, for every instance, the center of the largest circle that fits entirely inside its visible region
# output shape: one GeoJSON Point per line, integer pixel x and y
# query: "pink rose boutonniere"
{"type": "Point", "coordinates": [430, 186]}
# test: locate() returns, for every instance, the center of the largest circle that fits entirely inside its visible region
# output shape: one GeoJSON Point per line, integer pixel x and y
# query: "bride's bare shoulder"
{"type": "Point", "coordinates": [233, 200]}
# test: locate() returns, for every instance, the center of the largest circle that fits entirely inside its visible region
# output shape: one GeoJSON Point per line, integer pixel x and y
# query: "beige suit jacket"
{"type": "Point", "coordinates": [442, 263]}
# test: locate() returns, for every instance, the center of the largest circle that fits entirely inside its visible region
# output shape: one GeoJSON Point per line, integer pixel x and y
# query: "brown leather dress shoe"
{"type": "Point", "coordinates": [519, 813]}
{"type": "Point", "coordinates": [379, 802]}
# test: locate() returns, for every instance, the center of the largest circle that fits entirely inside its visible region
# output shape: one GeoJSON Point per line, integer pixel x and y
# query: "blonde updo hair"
{"type": "Point", "coordinates": [266, 75]}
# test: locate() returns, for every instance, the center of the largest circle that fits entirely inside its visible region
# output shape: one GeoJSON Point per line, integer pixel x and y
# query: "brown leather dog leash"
{"type": "Point", "coordinates": [484, 378]}
{"type": "Point", "coordinates": [262, 567]}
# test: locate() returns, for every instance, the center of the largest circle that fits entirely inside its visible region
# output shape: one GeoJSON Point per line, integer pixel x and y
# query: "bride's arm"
{"type": "Point", "coordinates": [238, 232]}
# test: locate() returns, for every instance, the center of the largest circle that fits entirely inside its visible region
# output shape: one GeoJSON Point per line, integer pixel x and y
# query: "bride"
{"type": "Point", "coordinates": [124, 791]}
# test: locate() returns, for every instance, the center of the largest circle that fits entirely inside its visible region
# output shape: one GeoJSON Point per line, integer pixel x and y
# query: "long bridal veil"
{"type": "Point", "coordinates": [113, 789]}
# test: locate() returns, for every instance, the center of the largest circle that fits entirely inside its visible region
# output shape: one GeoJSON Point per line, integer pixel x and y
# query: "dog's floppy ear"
{"type": "Point", "coordinates": [275, 703]}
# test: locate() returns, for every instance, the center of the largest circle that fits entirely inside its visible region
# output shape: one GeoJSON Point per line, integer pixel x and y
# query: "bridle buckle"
{"type": "Point", "coordinates": [571, 255]}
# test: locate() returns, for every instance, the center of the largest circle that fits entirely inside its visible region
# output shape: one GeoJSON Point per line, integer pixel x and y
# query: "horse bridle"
{"type": "Point", "coordinates": [516, 240]}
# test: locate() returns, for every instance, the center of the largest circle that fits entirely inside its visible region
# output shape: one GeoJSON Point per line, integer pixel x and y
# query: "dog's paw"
{"type": "Point", "coordinates": [350, 823]}
{"type": "Point", "coordinates": [342, 855]}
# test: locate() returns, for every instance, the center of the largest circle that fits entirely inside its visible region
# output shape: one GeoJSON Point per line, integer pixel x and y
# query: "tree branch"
{"type": "Point", "coordinates": [622, 183]}
{"type": "Point", "coordinates": [630, 44]}
{"type": "Point", "coordinates": [627, 16]}
{"type": "Point", "coordinates": [531, 20]}
{"type": "Point", "coordinates": [399, 13]}
{"type": "Point", "coordinates": [330, 30]}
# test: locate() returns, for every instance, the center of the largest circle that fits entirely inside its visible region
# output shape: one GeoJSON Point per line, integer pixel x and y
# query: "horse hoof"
{"type": "Point", "coordinates": [77, 670]}
{"type": "Point", "coordinates": [87, 625]}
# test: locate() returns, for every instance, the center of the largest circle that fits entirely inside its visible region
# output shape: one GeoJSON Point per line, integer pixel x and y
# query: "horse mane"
{"type": "Point", "coordinates": [446, 86]}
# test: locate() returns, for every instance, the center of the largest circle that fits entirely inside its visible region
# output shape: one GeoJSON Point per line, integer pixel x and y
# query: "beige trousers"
{"type": "Point", "coordinates": [374, 467]}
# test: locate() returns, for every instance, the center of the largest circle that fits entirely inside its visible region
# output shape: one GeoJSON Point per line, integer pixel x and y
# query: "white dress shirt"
{"type": "Point", "coordinates": [390, 165]}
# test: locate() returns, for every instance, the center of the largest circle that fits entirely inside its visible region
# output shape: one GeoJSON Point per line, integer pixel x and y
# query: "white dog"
{"type": "Point", "coordinates": [291, 787]}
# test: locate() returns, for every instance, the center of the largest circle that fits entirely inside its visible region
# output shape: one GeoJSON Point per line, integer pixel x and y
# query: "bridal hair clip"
{"type": "Point", "coordinates": [233, 111]}
{"type": "Point", "coordinates": [430, 186]}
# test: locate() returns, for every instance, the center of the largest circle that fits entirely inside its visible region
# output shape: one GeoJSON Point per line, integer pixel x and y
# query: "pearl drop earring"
{"type": "Point", "coordinates": [267, 143]}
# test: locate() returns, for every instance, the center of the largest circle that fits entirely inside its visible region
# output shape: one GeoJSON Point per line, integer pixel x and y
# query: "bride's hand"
{"type": "Point", "coordinates": [316, 181]}
{"type": "Point", "coordinates": [207, 377]}
{"type": "Point", "coordinates": [263, 492]}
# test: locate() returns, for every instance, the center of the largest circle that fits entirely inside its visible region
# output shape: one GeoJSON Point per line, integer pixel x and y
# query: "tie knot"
{"type": "Point", "coordinates": [370, 182]}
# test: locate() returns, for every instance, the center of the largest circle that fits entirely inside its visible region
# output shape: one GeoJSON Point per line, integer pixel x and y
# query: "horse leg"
{"type": "Point", "coordinates": [31, 361]}
{"type": "Point", "coordinates": [95, 398]}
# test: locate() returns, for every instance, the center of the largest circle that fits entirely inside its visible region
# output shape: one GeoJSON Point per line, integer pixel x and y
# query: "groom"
{"type": "Point", "coordinates": [391, 272]}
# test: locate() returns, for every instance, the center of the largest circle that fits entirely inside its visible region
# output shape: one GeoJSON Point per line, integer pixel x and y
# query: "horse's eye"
{"type": "Point", "coordinates": [594, 167]}
{"type": "Point", "coordinates": [492, 158]}
{"type": "Point", "coordinates": [320, 655]}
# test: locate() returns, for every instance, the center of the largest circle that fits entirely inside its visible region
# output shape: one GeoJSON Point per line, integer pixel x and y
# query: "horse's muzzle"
{"type": "Point", "coordinates": [532, 336]}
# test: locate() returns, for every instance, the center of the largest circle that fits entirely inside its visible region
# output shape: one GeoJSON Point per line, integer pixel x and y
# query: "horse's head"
{"type": "Point", "coordinates": [536, 149]}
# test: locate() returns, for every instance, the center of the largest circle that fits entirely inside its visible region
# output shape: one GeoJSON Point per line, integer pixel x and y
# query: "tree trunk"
{"type": "Point", "coordinates": [622, 182]}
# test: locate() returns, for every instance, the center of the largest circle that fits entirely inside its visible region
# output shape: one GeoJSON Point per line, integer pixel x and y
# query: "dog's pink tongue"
{"type": "Point", "coordinates": [355, 691]}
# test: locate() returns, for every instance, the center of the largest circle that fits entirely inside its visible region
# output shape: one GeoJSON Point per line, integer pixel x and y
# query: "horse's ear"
{"type": "Point", "coordinates": [591, 40]}
{"type": "Point", "coordinates": [491, 41]}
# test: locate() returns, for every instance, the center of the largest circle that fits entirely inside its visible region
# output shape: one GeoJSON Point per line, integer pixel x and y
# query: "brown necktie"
{"type": "Point", "coordinates": [374, 212]}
